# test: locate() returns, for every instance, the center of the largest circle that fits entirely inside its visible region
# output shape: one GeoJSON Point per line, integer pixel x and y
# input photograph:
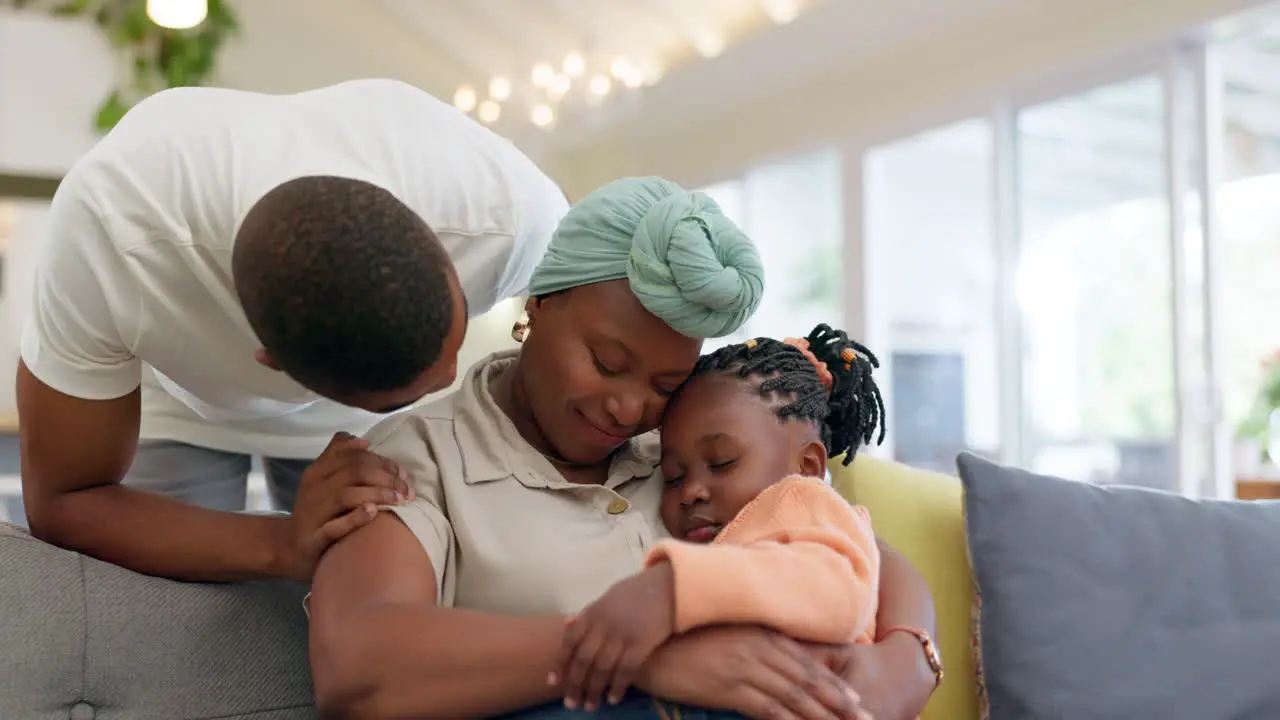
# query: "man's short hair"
{"type": "Point", "coordinates": [347, 288]}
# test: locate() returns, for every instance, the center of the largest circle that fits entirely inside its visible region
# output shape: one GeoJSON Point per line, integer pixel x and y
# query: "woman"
{"type": "Point", "coordinates": [536, 491]}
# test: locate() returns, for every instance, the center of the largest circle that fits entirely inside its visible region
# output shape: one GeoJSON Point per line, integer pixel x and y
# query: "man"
{"type": "Point", "coordinates": [229, 274]}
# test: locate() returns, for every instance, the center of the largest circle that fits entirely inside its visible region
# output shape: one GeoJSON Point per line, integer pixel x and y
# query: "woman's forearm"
{"type": "Point", "coordinates": [415, 660]}
{"type": "Point", "coordinates": [905, 600]}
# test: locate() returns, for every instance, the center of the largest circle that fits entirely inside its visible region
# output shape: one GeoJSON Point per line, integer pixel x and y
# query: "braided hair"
{"type": "Point", "coordinates": [847, 417]}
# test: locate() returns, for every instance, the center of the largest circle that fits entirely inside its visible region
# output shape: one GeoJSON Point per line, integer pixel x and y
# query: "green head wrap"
{"type": "Point", "coordinates": [686, 262]}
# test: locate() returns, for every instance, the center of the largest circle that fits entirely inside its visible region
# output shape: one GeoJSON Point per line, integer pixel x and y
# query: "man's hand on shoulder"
{"type": "Point", "coordinates": [339, 493]}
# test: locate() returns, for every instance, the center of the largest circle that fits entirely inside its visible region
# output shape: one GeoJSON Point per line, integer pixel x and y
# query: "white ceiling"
{"type": "Point", "coordinates": [482, 38]}
{"type": "Point", "coordinates": [439, 45]}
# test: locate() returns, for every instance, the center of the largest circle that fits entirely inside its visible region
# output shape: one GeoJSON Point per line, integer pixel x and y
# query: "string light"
{"type": "Point", "coordinates": [709, 45]}
{"type": "Point", "coordinates": [621, 68]}
{"type": "Point", "coordinates": [542, 115]}
{"type": "Point", "coordinates": [559, 86]}
{"type": "Point", "coordinates": [465, 98]}
{"type": "Point", "coordinates": [489, 112]}
{"type": "Point", "coordinates": [781, 11]}
{"type": "Point", "coordinates": [600, 85]}
{"type": "Point", "coordinates": [574, 65]}
{"type": "Point", "coordinates": [542, 75]}
{"type": "Point", "coordinates": [553, 82]}
{"type": "Point", "coordinates": [500, 88]}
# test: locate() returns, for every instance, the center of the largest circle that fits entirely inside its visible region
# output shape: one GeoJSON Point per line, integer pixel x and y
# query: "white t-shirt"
{"type": "Point", "coordinates": [134, 278]}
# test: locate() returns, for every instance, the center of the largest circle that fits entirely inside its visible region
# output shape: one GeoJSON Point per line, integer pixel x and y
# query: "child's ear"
{"type": "Point", "coordinates": [813, 459]}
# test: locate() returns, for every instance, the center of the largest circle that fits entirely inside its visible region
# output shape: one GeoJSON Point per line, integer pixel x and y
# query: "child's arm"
{"type": "Point", "coordinates": [605, 644]}
{"type": "Point", "coordinates": [808, 567]}
{"type": "Point", "coordinates": [812, 573]}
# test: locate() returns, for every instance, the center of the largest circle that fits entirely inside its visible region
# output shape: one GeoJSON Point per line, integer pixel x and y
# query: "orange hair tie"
{"type": "Point", "coordinates": [824, 373]}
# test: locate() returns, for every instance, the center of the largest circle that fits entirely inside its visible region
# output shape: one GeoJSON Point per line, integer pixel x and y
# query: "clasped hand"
{"type": "Point", "coordinates": [606, 644]}
{"type": "Point", "coordinates": [629, 636]}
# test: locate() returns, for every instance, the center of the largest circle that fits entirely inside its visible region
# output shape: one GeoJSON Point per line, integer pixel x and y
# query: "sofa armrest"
{"type": "Point", "coordinates": [77, 630]}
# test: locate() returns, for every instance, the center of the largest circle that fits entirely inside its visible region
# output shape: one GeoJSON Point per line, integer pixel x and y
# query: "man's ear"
{"type": "Point", "coordinates": [812, 459]}
{"type": "Point", "coordinates": [264, 359]}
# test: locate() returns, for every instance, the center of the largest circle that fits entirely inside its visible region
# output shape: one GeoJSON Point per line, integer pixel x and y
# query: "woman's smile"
{"type": "Point", "coordinates": [599, 435]}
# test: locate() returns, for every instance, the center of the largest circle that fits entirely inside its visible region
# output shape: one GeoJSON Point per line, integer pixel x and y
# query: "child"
{"type": "Point", "coordinates": [760, 537]}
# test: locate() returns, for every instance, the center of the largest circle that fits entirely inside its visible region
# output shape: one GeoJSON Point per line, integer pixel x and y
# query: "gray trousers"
{"type": "Point", "coordinates": [213, 479]}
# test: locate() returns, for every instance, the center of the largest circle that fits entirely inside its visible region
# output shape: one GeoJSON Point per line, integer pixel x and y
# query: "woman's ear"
{"type": "Point", "coordinates": [812, 459]}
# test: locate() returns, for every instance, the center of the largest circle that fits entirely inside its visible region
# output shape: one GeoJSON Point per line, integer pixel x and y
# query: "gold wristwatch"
{"type": "Point", "coordinates": [930, 649]}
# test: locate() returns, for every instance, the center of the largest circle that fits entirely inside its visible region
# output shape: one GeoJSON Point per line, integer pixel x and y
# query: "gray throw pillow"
{"type": "Point", "coordinates": [1124, 603]}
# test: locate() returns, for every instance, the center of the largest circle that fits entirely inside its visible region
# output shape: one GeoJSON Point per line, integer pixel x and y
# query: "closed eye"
{"type": "Point", "coordinates": [602, 368]}
{"type": "Point", "coordinates": [722, 465]}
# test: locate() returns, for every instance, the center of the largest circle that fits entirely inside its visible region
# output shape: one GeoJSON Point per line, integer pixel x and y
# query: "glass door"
{"type": "Point", "coordinates": [1241, 124]}
{"type": "Point", "coordinates": [1094, 283]}
{"type": "Point", "coordinates": [927, 208]}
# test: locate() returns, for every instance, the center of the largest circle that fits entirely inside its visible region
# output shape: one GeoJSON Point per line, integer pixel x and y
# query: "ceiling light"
{"type": "Point", "coordinates": [600, 85]}
{"type": "Point", "coordinates": [559, 86]}
{"type": "Point", "coordinates": [177, 14]}
{"type": "Point", "coordinates": [781, 11]}
{"type": "Point", "coordinates": [542, 115]}
{"type": "Point", "coordinates": [621, 67]}
{"type": "Point", "coordinates": [633, 79]}
{"type": "Point", "coordinates": [465, 98]}
{"type": "Point", "coordinates": [489, 111]}
{"type": "Point", "coordinates": [499, 88]}
{"type": "Point", "coordinates": [542, 75]}
{"type": "Point", "coordinates": [709, 45]}
{"type": "Point", "coordinates": [574, 65]}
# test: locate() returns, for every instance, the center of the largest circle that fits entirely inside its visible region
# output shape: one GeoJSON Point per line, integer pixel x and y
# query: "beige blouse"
{"type": "Point", "coordinates": [505, 531]}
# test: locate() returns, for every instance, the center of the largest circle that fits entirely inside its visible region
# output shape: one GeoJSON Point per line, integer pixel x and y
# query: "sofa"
{"type": "Point", "coordinates": [1059, 599]}
{"type": "Point", "coordinates": [86, 640]}
{"type": "Point", "coordinates": [1055, 599]}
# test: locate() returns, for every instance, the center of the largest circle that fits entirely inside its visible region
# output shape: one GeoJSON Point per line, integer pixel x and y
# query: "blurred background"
{"type": "Point", "coordinates": [1056, 221]}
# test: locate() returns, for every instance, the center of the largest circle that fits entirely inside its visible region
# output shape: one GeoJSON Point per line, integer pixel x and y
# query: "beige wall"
{"type": "Point", "coordinates": [53, 75]}
{"type": "Point", "coordinates": [895, 89]}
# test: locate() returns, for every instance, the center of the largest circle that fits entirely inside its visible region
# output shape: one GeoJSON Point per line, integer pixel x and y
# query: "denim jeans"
{"type": "Point", "coordinates": [636, 706]}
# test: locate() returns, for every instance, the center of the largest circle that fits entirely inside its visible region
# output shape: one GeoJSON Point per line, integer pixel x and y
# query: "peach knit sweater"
{"type": "Point", "coordinates": [798, 559]}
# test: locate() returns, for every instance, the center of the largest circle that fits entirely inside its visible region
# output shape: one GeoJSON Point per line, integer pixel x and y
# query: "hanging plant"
{"type": "Point", "coordinates": [1257, 423]}
{"type": "Point", "coordinates": [153, 58]}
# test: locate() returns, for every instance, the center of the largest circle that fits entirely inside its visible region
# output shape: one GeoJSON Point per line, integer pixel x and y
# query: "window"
{"type": "Point", "coordinates": [928, 207]}
{"type": "Point", "coordinates": [1249, 229]}
{"type": "Point", "coordinates": [793, 210]}
{"type": "Point", "coordinates": [1094, 287]}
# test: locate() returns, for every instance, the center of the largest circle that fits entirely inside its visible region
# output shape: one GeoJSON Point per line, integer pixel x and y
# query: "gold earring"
{"type": "Point", "coordinates": [520, 330]}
